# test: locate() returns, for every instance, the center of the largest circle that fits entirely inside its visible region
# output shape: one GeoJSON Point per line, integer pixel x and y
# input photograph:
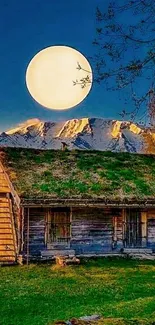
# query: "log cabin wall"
{"type": "Point", "coordinates": [34, 230]}
{"type": "Point", "coordinates": [93, 230]}
{"type": "Point", "coordinates": [96, 230]}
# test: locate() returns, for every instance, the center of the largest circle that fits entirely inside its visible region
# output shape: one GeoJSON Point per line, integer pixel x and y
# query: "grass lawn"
{"type": "Point", "coordinates": [40, 294]}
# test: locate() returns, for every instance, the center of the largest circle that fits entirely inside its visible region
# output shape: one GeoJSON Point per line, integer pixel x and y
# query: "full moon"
{"type": "Point", "coordinates": [55, 75]}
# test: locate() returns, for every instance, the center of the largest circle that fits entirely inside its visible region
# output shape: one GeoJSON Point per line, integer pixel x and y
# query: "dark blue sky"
{"type": "Point", "coordinates": [28, 26]}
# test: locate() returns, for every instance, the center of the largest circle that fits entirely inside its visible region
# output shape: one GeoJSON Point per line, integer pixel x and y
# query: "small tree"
{"type": "Point", "coordinates": [125, 53]}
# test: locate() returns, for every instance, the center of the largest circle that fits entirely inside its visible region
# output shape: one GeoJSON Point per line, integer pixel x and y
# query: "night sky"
{"type": "Point", "coordinates": [28, 26]}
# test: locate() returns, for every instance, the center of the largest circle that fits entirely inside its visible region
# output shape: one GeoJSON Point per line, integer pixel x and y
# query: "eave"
{"type": "Point", "coordinates": [98, 203]}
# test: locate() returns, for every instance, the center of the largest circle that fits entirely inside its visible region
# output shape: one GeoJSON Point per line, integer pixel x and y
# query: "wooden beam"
{"type": "Point", "coordinates": [115, 228]}
{"type": "Point", "coordinates": [70, 228]}
{"type": "Point", "coordinates": [144, 228]}
{"type": "Point", "coordinates": [28, 234]}
{"type": "Point", "coordinates": [13, 226]}
{"type": "Point", "coordinates": [124, 226]}
{"type": "Point", "coordinates": [71, 219]}
{"type": "Point", "coordinates": [91, 202]}
{"type": "Point", "coordinates": [47, 220]}
{"type": "Point", "coordinates": [22, 229]}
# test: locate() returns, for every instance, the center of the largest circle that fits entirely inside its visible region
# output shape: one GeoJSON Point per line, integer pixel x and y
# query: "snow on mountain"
{"type": "Point", "coordinates": [86, 133]}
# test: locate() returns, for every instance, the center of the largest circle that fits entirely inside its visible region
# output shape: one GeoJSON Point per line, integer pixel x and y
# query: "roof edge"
{"type": "Point", "coordinates": [75, 202]}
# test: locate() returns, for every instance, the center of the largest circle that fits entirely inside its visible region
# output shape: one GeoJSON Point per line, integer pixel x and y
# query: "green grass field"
{"type": "Point", "coordinates": [40, 294]}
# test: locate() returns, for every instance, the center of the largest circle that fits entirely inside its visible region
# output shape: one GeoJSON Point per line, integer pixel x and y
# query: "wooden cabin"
{"type": "Point", "coordinates": [54, 203]}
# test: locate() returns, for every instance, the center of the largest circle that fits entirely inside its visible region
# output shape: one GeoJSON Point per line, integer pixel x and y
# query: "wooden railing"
{"type": "Point", "coordinates": [13, 192]}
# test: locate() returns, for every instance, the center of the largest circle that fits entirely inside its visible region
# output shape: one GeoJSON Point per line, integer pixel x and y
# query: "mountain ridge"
{"type": "Point", "coordinates": [85, 133]}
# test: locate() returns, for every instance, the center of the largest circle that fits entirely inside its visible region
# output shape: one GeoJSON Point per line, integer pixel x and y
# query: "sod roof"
{"type": "Point", "coordinates": [79, 174]}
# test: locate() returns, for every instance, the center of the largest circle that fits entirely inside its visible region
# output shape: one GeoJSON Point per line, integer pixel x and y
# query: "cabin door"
{"type": "Point", "coordinates": [132, 229]}
{"type": "Point", "coordinates": [58, 229]}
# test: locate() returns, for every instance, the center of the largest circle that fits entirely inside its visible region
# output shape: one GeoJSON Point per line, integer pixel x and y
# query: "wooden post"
{"type": "Point", "coordinates": [71, 217]}
{"type": "Point", "coordinates": [20, 235]}
{"type": "Point", "coordinates": [124, 226]}
{"type": "Point", "coordinates": [28, 234]}
{"type": "Point", "coordinates": [115, 228]}
{"type": "Point", "coordinates": [47, 230]}
{"type": "Point", "coordinates": [18, 221]}
{"type": "Point", "coordinates": [12, 225]}
{"type": "Point", "coordinates": [144, 228]}
{"type": "Point", "coordinates": [22, 230]}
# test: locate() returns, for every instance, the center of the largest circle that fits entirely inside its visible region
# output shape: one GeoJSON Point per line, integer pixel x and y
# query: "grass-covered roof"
{"type": "Point", "coordinates": [85, 174]}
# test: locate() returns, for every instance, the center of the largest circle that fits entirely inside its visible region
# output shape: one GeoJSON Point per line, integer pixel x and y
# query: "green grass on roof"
{"type": "Point", "coordinates": [56, 173]}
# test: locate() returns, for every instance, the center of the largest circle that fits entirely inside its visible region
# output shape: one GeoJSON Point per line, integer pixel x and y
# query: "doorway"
{"type": "Point", "coordinates": [58, 228]}
{"type": "Point", "coordinates": [132, 229]}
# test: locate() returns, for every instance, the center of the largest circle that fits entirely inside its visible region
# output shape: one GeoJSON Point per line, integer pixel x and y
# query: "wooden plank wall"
{"type": "Point", "coordinates": [96, 230]}
{"type": "Point", "coordinates": [151, 229]}
{"type": "Point", "coordinates": [119, 229]}
{"type": "Point", "coordinates": [36, 234]}
{"type": "Point", "coordinates": [93, 230]}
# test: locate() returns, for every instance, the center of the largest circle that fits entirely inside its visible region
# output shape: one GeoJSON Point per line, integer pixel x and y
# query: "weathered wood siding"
{"type": "Point", "coordinates": [118, 229]}
{"type": "Point", "coordinates": [93, 230]}
{"type": "Point", "coordinates": [151, 229]}
{"type": "Point", "coordinates": [35, 235]}
{"type": "Point", "coordinates": [96, 230]}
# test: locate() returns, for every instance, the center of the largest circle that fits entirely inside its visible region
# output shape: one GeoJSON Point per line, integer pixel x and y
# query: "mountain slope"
{"type": "Point", "coordinates": [85, 133]}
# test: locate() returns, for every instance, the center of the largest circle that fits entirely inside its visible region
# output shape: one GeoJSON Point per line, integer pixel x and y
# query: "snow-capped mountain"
{"type": "Point", "coordinates": [84, 133]}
